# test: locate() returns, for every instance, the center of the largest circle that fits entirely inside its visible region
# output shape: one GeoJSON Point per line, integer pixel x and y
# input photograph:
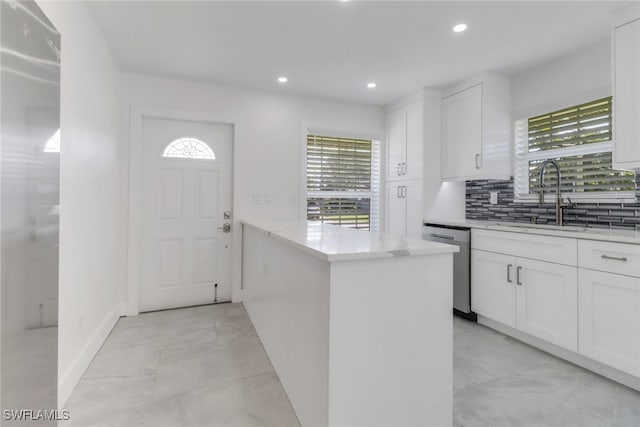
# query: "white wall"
{"type": "Point", "coordinates": [268, 138]}
{"type": "Point", "coordinates": [580, 77]}
{"type": "Point", "coordinates": [89, 194]}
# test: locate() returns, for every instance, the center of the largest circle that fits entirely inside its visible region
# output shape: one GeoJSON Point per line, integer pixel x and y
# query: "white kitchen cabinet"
{"type": "Point", "coordinates": [547, 301]}
{"type": "Point", "coordinates": [405, 142]}
{"type": "Point", "coordinates": [492, 290]}
{"type": "Point", "coordinates": [532, 295]}
{"type": "Point", "coordinates": [476, 129]}
{"type": "Point", "coordinates": [609, 306]}
{"type": "Point", "coordinates": [539, 298]}
{"type": "Point", "coordinates": [396, 137]}
{"type": "Point", "coordinates": [462, 133]}
{"type": "Point", "coordinates": [626, 95]}
{"type": "Point", "coordinates": [403, 214]}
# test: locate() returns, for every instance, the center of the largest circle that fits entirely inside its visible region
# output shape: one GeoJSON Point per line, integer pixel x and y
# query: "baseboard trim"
{"type": "Point", "coordinates": [68, 380]}
{"type": "Point", "coordinates": [575, 358]}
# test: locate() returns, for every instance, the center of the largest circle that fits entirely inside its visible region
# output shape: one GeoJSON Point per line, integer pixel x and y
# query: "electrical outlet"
{"type": "Point", "coordinates": [493, 199]}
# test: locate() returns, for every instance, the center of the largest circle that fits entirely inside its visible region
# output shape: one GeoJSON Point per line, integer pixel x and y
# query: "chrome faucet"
{"type": "Point", "coordinates": [559, 204]}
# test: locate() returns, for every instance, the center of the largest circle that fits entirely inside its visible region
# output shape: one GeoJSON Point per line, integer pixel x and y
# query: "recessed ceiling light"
{"type": "Point", "coordinates": [459, 28]}
{"type": "Point", "coordinates": [371, 85]}
{"type": "Point", "coordinates": [283, 79]}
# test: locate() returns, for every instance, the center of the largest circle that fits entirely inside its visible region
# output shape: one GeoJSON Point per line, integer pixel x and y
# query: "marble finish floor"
{"type": "Point", "coordinates": [193, 367]}
{"type": "Point", "coordinates": [205, 366]}
{"type": "Point", "coordinates": [500, 381]}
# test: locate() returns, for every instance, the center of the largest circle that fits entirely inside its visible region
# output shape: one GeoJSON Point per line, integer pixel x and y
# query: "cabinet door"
{"type": "Point", "coordinates": [547, 301]}
{"type": "Point", "coordinates": [626, 99]}
{"type": "Point", "coordinates": [462, 133]}
{"type": "Point", "coordinates": [396, 137]}
{"type": "Point", "coordinates": [395, 218]}
{"type": "Point", "coordinates": [493, 286]}
{"type": "Point", "coordinates": [609, 307]}
{"type": "Point", "coordinates": [413, 205]}
{"type": "Point", "coordinates": [414, 143]}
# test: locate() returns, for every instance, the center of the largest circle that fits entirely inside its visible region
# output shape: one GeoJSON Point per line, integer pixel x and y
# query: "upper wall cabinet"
{"type": "Point", "coordinates": [476, 129]}
{"type": "Point", "coordinates": [404, 143]}
{"type": "Point", "coordinates": [626, 95]}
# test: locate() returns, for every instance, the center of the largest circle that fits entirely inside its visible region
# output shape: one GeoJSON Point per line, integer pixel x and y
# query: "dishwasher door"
{"type": "Point", "coordinates": [461, 238]}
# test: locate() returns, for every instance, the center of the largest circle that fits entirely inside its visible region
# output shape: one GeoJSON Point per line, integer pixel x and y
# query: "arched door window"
{"type": "Point", "coordinates": [189, 148]}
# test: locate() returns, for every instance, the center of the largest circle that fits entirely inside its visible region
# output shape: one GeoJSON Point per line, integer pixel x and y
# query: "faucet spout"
{"type": "Point", "coordinates": [559, 204]}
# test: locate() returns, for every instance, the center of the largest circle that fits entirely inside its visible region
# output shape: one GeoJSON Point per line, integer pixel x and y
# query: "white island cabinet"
{"type": "Point", "coordinates": [358, 325]}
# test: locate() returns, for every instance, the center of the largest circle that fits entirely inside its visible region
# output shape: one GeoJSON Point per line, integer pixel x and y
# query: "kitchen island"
{"type": "Point", "coordinates": [357, 324]}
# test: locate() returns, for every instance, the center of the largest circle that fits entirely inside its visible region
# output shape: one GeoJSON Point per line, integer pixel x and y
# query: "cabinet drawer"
{"type": "Point", "coordinates": [617, 258]}
{"type": "Point", "coordinates": [558, 250]}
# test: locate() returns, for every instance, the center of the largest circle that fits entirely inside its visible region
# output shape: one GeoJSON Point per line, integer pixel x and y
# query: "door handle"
{"type": "Point", "coordinates": [509, 273]}
{"type": "Point", "coordinates": [477, 158]}
{"type": "Point", "coordinates": [614, 258]}
{"type": "Point", "coordinates": [226, 227]}
{"type": "Point", "coordinates": [518, 282]}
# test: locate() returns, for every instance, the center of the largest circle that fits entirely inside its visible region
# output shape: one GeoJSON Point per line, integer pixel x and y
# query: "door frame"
{"type": "Point", "coordinates": [133, 270]}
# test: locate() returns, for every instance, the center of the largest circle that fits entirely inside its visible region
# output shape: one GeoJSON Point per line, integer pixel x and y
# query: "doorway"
{"type": "Point", "coordinates": [186, 213]}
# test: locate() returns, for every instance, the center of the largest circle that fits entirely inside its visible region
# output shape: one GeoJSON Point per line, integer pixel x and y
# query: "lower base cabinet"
{"type": "Point", "coordinates": [536, 297]}
{"type": "Point", "coordinates": [608, 313]}
{"type": "Point", "coordinates": [547, 302]}
{"type": "Point", "coordinates": [492, 290]}
{"type": "Point", "coordinates": [403, 216]}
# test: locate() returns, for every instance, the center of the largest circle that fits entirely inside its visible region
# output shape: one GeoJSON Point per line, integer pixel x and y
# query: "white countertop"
{"type": "Point", "coordinates": [333, 243]}
{"type": "Point", "coordinates": [602, 234]}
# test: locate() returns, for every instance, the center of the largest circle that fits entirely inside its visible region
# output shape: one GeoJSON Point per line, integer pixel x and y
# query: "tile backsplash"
{"type": "Point", "coordinates": [599, 215]}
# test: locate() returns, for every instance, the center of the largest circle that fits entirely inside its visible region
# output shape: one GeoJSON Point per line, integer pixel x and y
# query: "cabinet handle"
{"type": "Point", "coordinates": [404, 168]}
{"type": "Point", "coordinates": [398, 192]}
{"type": "Point", "coordinates": [509, 273]}
{"type": "Point", "coordinates": [518, 282]}
{"type": "Point", "coordinates": [398, 169]}
{"type": "Point", "coordinates": [477, 158]}
{"type": "Point", "coordinates": [404, 191]}
{"type": "Point", "coordinates": [615, 258]}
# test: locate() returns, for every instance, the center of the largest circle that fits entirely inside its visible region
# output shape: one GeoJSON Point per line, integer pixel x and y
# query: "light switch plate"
{"type": "Point", "coordinates": [493, 199]}
{"type": "Point", "coordinates": [261, 198]}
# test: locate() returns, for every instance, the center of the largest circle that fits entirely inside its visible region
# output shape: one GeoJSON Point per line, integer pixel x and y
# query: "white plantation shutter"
{"type": "Point", "coordinates": [579, 138]}
{"type": "Point", "coordinates": [343, 181]}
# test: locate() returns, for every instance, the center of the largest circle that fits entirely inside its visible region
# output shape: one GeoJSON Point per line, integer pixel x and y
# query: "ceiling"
{"type": "Point", "coordinates": [332, 49]}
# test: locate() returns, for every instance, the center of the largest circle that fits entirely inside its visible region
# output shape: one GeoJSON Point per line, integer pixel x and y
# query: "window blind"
{"type": "Point", "coordinates": [579, 139]}
{"type": "Point", "coordinates": [583, 124]}
{"type": "Point", "coordinates": [341, 181]}
{"type": "Point", "coordinates": [338, 164]}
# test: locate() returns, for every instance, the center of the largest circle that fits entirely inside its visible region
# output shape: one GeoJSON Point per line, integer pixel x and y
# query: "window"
{"type": "Point", "coordinates": [343, 181]}
{"type": "Point", "coordinates": [189, 148]}
{"type": "Point", "coordinates": [579, 139]}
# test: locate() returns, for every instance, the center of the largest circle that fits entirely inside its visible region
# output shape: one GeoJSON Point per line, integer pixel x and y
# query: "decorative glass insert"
{"type": "Point", "coordinates": [189, 148]}
{"type": "Point", "coordinates": [53, 143]}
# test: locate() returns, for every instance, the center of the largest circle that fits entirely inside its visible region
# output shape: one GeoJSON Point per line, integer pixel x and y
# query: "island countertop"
{"type": "Point", "coordinates": [333, 243]}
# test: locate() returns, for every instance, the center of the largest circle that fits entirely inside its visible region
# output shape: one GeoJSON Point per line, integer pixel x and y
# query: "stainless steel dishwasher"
{"type": "Point", "coordinates": [461, 237]}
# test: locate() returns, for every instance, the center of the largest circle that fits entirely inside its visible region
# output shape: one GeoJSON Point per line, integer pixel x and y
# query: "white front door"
{"type": "Point", "coordinates": [186, 248]}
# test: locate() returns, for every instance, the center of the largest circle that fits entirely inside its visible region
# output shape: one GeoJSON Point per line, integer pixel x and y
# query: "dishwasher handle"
{"type": "Point", "coordinates": [441, 236]}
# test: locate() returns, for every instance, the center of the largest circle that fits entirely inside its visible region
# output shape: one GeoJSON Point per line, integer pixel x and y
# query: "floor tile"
{"type": "Point", "coordinates": [206, 366]}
